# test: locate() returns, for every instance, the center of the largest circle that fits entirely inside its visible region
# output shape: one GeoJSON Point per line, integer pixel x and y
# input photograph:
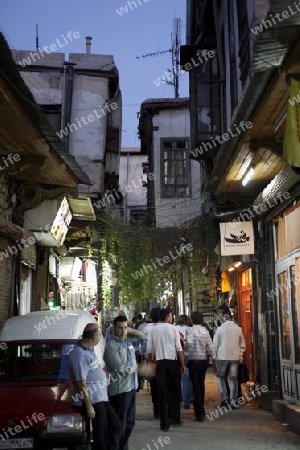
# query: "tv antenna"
{"type": "Point", "coordinates": [175, 51]}
{"type": "Point", "coordinates": [37, 37]}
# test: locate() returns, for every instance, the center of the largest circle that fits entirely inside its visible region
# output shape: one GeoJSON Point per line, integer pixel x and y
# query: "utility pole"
{"type": "Point", "coordinates": [175, 51]}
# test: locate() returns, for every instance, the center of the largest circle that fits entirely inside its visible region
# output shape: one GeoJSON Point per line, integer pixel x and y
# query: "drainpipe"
{"type": "Point", "coordinates": [67, 100]}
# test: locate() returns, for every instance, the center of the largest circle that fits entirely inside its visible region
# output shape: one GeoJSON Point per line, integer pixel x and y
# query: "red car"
{"type": "Point", "coordinates": [35, 388]}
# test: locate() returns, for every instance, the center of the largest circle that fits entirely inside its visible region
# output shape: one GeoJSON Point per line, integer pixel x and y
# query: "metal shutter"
{"type": "Point", "coordinates": [6, 276]}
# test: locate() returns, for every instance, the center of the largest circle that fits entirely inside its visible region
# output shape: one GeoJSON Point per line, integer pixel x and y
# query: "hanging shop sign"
{"type": "Point", "coordinates": [61, 222]}
{"type": "Point", "coordinates": [49, 221]}
{"type": "Point", "coordinates": [237, 238]}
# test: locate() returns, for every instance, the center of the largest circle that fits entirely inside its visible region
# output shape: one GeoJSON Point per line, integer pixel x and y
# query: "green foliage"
{"type": "Point", "coordinates": [204, 279]}
{"type": "Point", "coordinates": [131, 251]}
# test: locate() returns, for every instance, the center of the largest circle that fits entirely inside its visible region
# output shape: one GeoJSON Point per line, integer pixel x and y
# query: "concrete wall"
{"type": "Point", "coordinates": [87, 143]}
{"type": "Point", "coordinates": [174, 123]}
{"type": "Point", "coordinates": [87, 128]}
{"type": "Point", "coordinates": [130, 181]}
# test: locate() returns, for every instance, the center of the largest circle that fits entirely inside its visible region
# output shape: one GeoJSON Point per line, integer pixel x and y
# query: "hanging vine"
{"type": "Point", "coordinates": [135, 253]}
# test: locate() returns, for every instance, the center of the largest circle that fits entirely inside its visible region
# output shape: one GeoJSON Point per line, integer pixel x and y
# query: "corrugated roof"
{"type": "Point", "coordinates": [10, 73]}
{"type": "Point", "coordinates": [274, 40]}
{"type": "Point", "coordinates": [165, 102]}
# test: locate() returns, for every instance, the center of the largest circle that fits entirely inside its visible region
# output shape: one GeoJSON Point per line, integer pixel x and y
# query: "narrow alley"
{"type": "Point", "coordinates": [247, 428]}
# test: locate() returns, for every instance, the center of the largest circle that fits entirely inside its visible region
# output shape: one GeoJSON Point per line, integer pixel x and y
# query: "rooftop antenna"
{"type": "Point", "coordinates": [175, 51]}
{"type": "Point", "coordinates": [37, 37]}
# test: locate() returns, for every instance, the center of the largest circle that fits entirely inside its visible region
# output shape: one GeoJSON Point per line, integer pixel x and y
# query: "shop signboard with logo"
{"type": "Point", "coordinates": [237, 238]}
{"type": "Point", "coordinates": [61, 222]}
{"type": "Point", "coordinates": [49, 221]}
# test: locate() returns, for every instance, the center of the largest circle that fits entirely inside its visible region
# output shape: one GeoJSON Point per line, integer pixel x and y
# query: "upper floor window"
{"type": "Point", "coordinates": [244, 41]}
{"type": "Point", "coordinates": [175, 168]}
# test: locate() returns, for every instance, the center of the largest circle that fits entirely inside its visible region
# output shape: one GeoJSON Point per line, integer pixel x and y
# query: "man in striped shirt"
{"type": "Point", "coordinates": [199, 348]}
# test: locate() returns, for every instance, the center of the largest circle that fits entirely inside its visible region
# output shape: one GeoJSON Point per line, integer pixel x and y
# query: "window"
{"type": "Point", "coordinates": [233, 62]}
{"type": "Point", "coordinates": [175, 168]}
{"type": "Point", "coordinates": [138, 217]}
{"type": "Point", "coordinates": [284, 311]}
{"type": "Point", "coordinates": [244, 41]}
{"type": "Point", "coordinates": [208, 87]}
{"type": "Point", "coordinates": [35, 361]}
{"type": "Point", "coordinates": [295, 299]}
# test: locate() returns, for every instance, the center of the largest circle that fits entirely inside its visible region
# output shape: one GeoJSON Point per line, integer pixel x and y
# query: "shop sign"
{"type": "Point", "coordinates": [237, 238]}
{"type": "Point", "coordinates": [61, 222]}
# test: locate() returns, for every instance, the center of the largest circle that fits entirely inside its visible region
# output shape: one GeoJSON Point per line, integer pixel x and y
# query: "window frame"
{"type": "Point", "coordinates": [187, 185]}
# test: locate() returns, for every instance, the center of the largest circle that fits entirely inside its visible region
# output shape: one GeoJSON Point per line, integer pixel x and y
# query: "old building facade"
{"type": "Point", "coordinates": [60, 162]}
{"type": "Point", "coordinates": [240, 109]}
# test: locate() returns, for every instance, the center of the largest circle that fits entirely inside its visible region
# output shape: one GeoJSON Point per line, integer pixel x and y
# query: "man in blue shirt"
{"type": "Point", "coordinates": [90, 390]}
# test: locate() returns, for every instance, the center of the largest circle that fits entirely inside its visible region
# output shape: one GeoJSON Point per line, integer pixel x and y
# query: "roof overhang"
{"type": "Point", "coordinates": [263, 104]}
{"type": "Point", "coordinates": [26, 133]}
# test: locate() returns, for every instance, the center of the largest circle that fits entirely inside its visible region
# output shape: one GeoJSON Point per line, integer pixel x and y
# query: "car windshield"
{"type": "Point", "coordinates": [35, 361]}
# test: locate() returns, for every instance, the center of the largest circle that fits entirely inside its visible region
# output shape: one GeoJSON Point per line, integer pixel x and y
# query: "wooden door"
{"type": "Point", "coordinates": [245, 314]}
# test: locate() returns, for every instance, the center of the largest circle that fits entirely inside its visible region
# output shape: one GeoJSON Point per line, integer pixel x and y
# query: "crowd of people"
{"type": "Point", "coordinates": [176, 356]}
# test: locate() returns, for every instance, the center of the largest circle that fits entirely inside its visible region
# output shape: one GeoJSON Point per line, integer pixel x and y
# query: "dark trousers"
{"type": "Point", "coordinates": [168, 378]}
{"type": "Point", "coordinates": [107, 428]}
{"type": "Point", "coordinates": [197, 375]}
{"type": "Point", "coordinates": [124, 406]}
{"type": "Point", "coordinates": [154, 396]}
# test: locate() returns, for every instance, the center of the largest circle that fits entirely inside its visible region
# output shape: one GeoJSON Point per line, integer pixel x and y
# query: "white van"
{"type": "Point", "coordinates": [35, 388]}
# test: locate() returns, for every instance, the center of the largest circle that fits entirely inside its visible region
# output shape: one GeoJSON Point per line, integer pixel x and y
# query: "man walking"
{"type": "Point", "coordinates": [228, 348]}
{"type": "Point", "coordinates": [199, 348]}
{"type": "Point", "coordinates": [120, 360]}
{"type": "Point", "coordinates": [154, 316]}
{"type": "Point", "coordinates": [184, 325]}
{"type": "Point", "coordinates": [90, 390]}
{"type": "Point", "coordinates": [164, 342]}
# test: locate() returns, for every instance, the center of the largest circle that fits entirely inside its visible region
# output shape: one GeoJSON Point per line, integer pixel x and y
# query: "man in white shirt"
{"type": "Point", "coordinates": [228, 348]}
{"type": "Point", "coordinates": [154, 316]}
{"type": "Point", "coordinates": [164, 341]}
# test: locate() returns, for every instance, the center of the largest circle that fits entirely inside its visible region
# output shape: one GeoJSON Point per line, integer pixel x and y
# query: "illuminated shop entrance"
{"type": "Point", "coordinates": [245, 313]}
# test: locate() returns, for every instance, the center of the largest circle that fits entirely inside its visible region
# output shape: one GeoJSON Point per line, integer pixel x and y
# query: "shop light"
{"type": "Point", "coordinates": [248, 175]}
{"type": "Point", "coordinates": [234, 266]}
